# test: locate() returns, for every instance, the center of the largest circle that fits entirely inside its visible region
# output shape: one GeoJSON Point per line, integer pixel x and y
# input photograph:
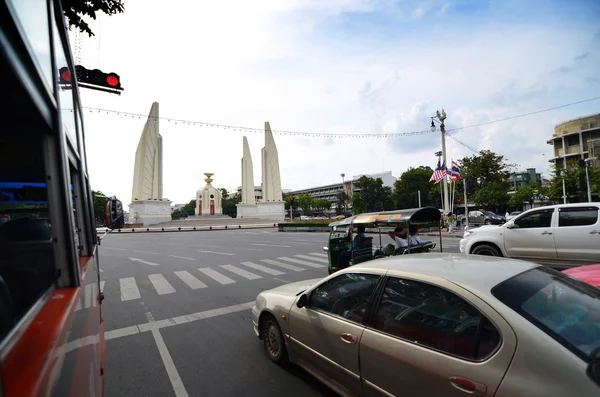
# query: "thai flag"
{"type": "Point", "coordinates": [455, 171]}
{"type": "Point", "coordinates": [439, 173]}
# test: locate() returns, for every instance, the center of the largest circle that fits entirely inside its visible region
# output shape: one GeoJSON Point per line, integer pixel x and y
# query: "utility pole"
{"type": "Point", "coordinates": [563, 173]}
{"type": "Point", "coordinates": [588, 162]}
{"type": "Point", "coordinates": [343, 175]}
{"type": "Point", "coordinates": [419, 195]}
{"type": "Point", "coordinates": [441, 117]}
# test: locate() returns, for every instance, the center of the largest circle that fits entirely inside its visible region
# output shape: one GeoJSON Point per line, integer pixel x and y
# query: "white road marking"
{"type": "Point", "coordinates": [102, 286]}
{"type": "Point", "coordinates": [121, 332]}
{"type": "Point", "coordinates": [183, 257]}
{"type": "Point", "coordinates": [215, 275]}
{"type": "Point", "coordinates": [114, 249]}
{"type": "Point", "coordinates": [160, 284]}
{"type": "Point", "coordinates": [262, 268]}
{"type": "Point", "coordinates": [248, 249]}
{"type": "Point", "coordinates": [300, 262]}
{"type": "Point", "coordinates": [190, 280]}
{"type": "Point", "coordinates": [283, 265]}
{"type": "Point", "coordinates": [101, 271]}
{"type": "Point", "coordinates": [273, 245]}
{"type": "Point", "coordinates": [143, 261]}
{"type": "Point", "coordinates": [241, 272]}
{"type": "Point", "coordinates": [78, 306]}
{"type": "Point", "coordinates": [88, 298]}
{"type": "Point", "coordinates": [148, 252]}
{"type": "Point", "coordinates": [129, 289]}
{"type": "Point", "coordinates": [174, 377]}
{"type": "Point", "coordinates": [318, 254]}
{"type": "Point", "coordinates": [311, 258]}
{"type": "Point", "coordinates": [218, 253]}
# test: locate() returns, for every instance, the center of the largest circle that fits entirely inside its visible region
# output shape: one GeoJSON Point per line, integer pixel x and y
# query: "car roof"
{"type": "Point", "coordinates": [473, 272]}
{"type": "Point", "coordinates": [570, 205]}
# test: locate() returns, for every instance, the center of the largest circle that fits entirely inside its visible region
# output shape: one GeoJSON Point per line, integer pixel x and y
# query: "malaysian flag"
{"type": "Point", "coordinates": [439, 173]}
{"type": "Point", "coordinates": [455, 171]}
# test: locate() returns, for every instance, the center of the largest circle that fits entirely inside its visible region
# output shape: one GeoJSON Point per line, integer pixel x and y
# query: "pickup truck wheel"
{"type": "Point", "coordinates": [487, 222]}
{"type": "Point", "coordinates": [273, 341]}
{"type": "Point", "coordinates": [486, 250]}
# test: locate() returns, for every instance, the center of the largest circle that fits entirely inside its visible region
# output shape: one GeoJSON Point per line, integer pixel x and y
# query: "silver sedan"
{"type": "Point", "coordinates": [438, 325]}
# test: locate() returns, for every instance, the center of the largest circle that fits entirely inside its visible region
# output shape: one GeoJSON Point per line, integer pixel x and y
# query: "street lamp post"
{"type": "Point", "coordinates": [588, 162]}
{"type": "Point", "coordinates": [441, 117]}
{"type": "Point", "coordinates": [343, 175]}
{"type": "Point", "coordinates": [563, 173]}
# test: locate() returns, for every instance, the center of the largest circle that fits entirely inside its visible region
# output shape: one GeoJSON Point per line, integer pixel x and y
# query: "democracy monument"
{"type": "Point", "coordinates": [208, 199]}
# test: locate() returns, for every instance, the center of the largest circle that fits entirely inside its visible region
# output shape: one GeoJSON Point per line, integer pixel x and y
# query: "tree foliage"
{"type": "Point", "coordinates": [305, 201]}
{"type": "Point", "coordinates": [487, 177]}
{"type": "Point", "coordinates": [413, 180]}
{"type": "Point", "coordinates": [75, 9]}
{"type": "Point", "coordinates": [524, 194]}
{"type": "Point", "coordinates": [342, 201]}
{"type": "Point", "coordinates": [372, 195]}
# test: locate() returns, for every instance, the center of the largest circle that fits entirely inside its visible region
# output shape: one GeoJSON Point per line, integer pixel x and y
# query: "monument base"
{"type": "Point", "coordinates": [274, 211]}
{"type": "Point", "coordinates": [150, 212]}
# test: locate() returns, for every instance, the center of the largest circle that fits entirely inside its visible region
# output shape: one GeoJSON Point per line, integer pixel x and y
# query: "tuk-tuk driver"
{"type": "Point", "coordinates": [344, 260]}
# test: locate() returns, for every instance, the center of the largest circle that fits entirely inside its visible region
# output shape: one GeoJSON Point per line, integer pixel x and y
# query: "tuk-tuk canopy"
{"type": "Point", "coordinates": [388, 218]}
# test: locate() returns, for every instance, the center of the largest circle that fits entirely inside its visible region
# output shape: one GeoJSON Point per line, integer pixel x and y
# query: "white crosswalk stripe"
{"type": "Point", "coordinates": [215, 275]}
{"type": "Point", "coordinates": [190, 280]}
{"type": "Point", "coordinates": [300, 262]}
{"type": "Point", "coordinates": [310, 258]}
{"type": "Point", "coordinates": [318, 254]}
{"type": "Point", "coordinates": [102, 286]}
{"type": "Point", "coordinates": [129, 289]}
{"type": "Point", "coordinates": [241, 272]}
{"type": "Point", "coordinates": [262, 268]}
{"type": "Point", "coordinates": [160, 284]}
{"type": "Point", "coordinates": [283, 265]}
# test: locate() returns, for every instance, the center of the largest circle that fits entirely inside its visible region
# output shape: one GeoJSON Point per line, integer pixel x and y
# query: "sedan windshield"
{"type": "Point", "coordinates": [488, 213]}
{"type": "Point", "coordinates": [566, 309]}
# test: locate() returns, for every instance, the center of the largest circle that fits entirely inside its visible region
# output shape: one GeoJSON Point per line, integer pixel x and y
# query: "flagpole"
{"type": "Point", "coordinates": [466, 206]}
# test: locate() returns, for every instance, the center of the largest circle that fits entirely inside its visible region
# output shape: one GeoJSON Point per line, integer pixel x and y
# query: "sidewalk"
{"type": "Point", "coordinates": [445, 234]}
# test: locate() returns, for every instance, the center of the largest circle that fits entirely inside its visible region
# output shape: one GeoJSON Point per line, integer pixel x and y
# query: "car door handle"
{"type": "Point", "coordinates": [468, 386]}
{"type": "Point", "coordinates": [546, 233]}
{"type": "Point", "coordinates": [348, 338]}
{"type": "Point", "coordinates": [595, 232]}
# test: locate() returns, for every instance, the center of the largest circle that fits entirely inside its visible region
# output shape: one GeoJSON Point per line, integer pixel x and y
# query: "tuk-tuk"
{"type": "Point", "coordinates": [342, 235]}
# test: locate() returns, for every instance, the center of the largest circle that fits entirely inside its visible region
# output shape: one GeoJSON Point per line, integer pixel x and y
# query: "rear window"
{"type": "Point", "coordinates": [566, 309]}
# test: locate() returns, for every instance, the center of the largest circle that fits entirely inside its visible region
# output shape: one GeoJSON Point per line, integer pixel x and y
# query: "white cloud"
{"type": "Point", "coordinates": [302, 66]}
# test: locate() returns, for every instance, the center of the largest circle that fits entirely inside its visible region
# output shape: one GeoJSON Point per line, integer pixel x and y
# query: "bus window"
{"type": "Point", "coordinates": [27, 268]}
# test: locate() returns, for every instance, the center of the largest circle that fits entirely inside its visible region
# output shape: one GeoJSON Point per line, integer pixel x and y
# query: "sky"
{"type": "Point", "coordinates": [337, 67]}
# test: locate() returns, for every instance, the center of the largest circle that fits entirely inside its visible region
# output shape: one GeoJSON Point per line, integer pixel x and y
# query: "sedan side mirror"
{"type": "Point", "coordinates": [593, 370]}
{"type": "Point", "coordinates": [303, 301]}
{"type": "Point", "coordinates": [511, 225]}
{"type": "Point", "coordinates": [326, 249]}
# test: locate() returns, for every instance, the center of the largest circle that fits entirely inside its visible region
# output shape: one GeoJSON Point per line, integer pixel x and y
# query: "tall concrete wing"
{"type": "Point", "coordinates": [247, 176]}
{"type": "Point", "coordinates": [147, 171]}
{"type": "Point", "coordinates": [271, 179]}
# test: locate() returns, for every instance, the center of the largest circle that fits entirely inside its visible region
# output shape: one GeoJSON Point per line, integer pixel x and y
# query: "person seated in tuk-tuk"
{"type": "Point", "coordinates": [344, 260]}
{"type": "Point", "coordinates": [414, 238]}
{"type": "Point", "coordinates": [399, 237]}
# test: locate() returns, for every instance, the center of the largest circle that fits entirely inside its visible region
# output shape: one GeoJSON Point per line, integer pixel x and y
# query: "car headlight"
{"type": "Point", "coordinates": [467, 234]}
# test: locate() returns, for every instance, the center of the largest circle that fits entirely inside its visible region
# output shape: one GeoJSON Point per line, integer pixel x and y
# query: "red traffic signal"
{"type": "Point", "coordinates": [64, 75]}
{"type": "Point", "coordinates": [93, 77]}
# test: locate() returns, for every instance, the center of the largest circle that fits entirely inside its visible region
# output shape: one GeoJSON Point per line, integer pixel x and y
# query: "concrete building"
{"type": "Point", "coordinates": [519, 179]}
{"type": "Point", "coordinates": [575, 139]}
{"type": "Point", "coordinates": [330, 191]}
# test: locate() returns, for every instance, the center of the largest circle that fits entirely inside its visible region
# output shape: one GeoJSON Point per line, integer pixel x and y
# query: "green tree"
{"type": "Point", "coordinates": [342, 201]}
{"type": "Point", "coordinates": [322, 204]}
{"type": "Point", "coordinates": [229, 203]}
{"type": "Point", "coordinates": [524, 194]}
{"type": "Point", "coordinates": [487, 177]}
{"type": "Point", "coordinates": [305, 201]}
{"type": "Point", "coordinates": [406, 188]}
{"type": "Point", "coordinates": [75, 9]}
{"type": "Point", "coordinates": [373, 194]}
{"type": "Point", "coordinates": [358, 204]}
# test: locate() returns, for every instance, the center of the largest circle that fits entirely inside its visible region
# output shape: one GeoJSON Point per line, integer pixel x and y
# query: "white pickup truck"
{"type": "Point", "coordinates": [560, 235]}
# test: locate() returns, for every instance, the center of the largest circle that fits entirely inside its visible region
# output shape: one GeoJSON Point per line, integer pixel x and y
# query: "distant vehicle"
{"type": "Point", "coordinates": [438, 325]}
{"type": "Point", "coordinates": [590, 274]}
{"type": "Point", "coordinates": [564, 235]}
{"type": "Point", "coordinates": [479, 218]}
{"type": "Point", "coordinates": [513, 214]}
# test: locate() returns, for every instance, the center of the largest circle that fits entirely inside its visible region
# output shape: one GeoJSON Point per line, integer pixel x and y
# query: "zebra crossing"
{"type": "Point", "coordinates": [223, 275]}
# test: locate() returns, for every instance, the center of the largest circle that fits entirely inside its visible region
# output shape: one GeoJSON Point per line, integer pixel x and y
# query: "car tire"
{"type": "Point", "coordinates": [487, 222]}
{"type": "Point", "coordinates": [273, 341]}
{"type": "Point", "coordinates": [486, 250]}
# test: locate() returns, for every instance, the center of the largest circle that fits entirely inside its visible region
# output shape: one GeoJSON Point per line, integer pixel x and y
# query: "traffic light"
{"type": "Point", "coordinates": [95, 78]}
{"type": "Point", "coordinates": [291, 201]}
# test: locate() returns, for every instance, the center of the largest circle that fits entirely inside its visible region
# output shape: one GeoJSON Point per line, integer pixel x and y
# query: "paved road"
{"type": "Point", "coordinates": [177, 311]}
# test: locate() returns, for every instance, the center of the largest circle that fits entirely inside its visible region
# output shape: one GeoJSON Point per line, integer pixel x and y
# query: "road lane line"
{"type": "Point", "coordinates": [215, 275]}
{"type": "Point", "coordinates": [262, 268]}
{"type": "Point", "coordinates": [272, 245]}
{"type": "Point", "coordinates": [217, 253]}
{"type": "Point", "coordinates": [247, 249]}
{"type": "Point", "coordinates": [160, 284]}
{"type": "Point", "coordinates": [114, 249]}
{"type": "Point", "coordinates": [311, 258]}
{"type": "Point", "coordinates": [88, 296]}
{"type": "Point", "coordinates": [283, 265]}
{"type": "Point", "coordinates": [318, 254]}
{"type": "Point", "coordinates": [148, 252]}
{"type": "Point", "coordinates": [300, 262]}
{"type": "Point", "coordinates": [121, 332]}
{"type": "Point", "coordinates": [190, 280]}
{"type": "Point", "coordinates": [167, 360]}
{"type": "Point", "coordinates": [102, 286]}
{"type": "Point", "coordinates": [241, 272]}
{"type": "Point", "coordinates": [143, 261]}
{"type": "Point", "coordinates": [183, 257]}
{"type": "Point", "coordinates": [129, 289]}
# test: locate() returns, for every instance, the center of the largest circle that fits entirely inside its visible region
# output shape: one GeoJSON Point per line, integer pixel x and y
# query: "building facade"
{"type": "Point", "coordinates": [519, 179]}
{"type": "Point", "coordinates": [576, 139]}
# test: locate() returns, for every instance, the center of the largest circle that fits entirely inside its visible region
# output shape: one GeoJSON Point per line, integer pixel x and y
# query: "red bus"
{"type": "Point", "coordinates": [51, 329]}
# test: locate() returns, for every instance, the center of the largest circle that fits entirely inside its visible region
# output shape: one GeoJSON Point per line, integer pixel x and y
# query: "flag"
{"type": "Point", "coordinates": [439, 173]}
{"type": "Point", "coordinates": [454, 171]}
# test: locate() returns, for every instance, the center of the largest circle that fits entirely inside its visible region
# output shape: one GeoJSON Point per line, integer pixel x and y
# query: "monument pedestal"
{"type": "Point", "coordinates": [246, 210]}
{"type": "Point", "coordinates": [150, 212]}
{"type": "Point", "coordinates": [274, 211]}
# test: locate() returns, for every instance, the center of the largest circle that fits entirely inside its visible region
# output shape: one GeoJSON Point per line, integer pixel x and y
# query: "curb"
{"type": "Point", "coordinates": [188, 229]}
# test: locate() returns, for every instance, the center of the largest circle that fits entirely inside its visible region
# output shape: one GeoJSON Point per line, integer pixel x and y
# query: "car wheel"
{"type": "Point", "coordinates": [273, 340]}
{"type": "Point", "coordinates": [486, 250]}
{"type": "Point", "coordinates": [487, 222]}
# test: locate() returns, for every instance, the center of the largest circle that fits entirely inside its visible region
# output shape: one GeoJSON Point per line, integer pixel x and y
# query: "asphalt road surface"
{"type": "Point", "coordinates": [177, 311]}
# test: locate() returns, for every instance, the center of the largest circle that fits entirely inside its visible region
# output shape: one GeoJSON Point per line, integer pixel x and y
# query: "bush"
{"type": "Point", "coordinates": [306, 223]}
